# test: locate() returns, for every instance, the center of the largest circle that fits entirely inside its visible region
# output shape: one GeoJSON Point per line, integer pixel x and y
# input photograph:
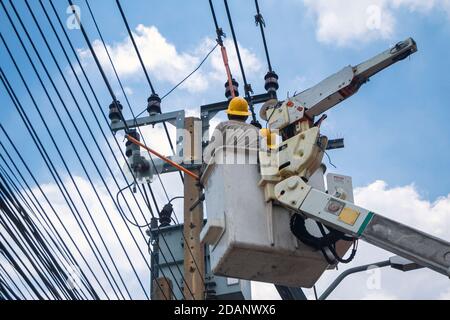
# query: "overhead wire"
{"type": "Point", "coordinates": [53, 237]}
{"type": "Point", "coordinates": [125, 95]}
{"type": "Point", "coordinates": [90, 131]}
{"type": "Point", "coordinates": [130, 33]}
{"type": "Point", "coordinates": [184, 79]}
{"type": "Point", "coordinates": [33, 134]}
{"type": "Point", "coordinates": [122, 245]}
{"type": "Point", "coordinates": [78, 61]}
{"type": "Point", "coordinates": [192, 72]}
{"type": "Point", "coordinates": [98, 30]}
{"type": "Point", "coordinates": [259, 20]}
{"type": "Point", "coordinates": [122, 89]}
{"type": "Point", "coordinates": [49, 229]}
{"type": "Point", "coordinates": [114, 101]}
{"type": "Point", "coordinates": [7, 277]}
{"type": "Point", "coordinates": [247, 87]}
{"type": "Point", "coordinates": [94, 55]}
{"type": "Point", "coordinates": [53, 210]}
{"type": "Point", "coordinates": [18, 172]}
{"type": "Point", "coordinates": [220, 35]}
{"type": "Point", "coordinates": [19, 219]}
{"type": "Point", "coordinates": [51, 102]}
{"type": "Point", "coordinates": [58, 257]}
{"type": "Point", "coordinates": [39, 254]}
{"type": "Point", "coordinates": [11, 160]}
{"type": "Point", "coordinates": [123, 213]}
{"type": "Point", "coordinates": [28, 280]}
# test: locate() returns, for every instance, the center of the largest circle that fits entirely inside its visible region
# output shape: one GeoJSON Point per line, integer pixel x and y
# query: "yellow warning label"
{"type": "Point", "coordinates": [349, 216]}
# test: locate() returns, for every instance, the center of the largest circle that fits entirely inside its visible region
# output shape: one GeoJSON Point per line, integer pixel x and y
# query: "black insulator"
{"type": "Point", "coordinates": [271, 79]}
{"type": "Point", "coordinates": [115, 111]}
{"type": "Point", "coordinates": [228, 94]}
{"type": "Point", "coordinates": [130, 146]}
{"type": "Point", "coordinates": [154, 104]}
{"type": "Point", "coordinates": [165, 215]}
{"type": "Point", "coordinates": [248, 88]}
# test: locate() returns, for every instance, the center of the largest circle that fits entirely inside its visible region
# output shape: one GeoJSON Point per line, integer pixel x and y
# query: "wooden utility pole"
{"type": "Point", "coordinates": [194, 256]}
{"type": "Point", "coordinates": [162, 289]}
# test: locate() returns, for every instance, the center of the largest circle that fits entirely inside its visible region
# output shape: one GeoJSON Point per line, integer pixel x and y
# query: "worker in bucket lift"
{"type": "Point", "coordinates": [236, 139]}
{"type": "Point", "coordinates": [238, 110]}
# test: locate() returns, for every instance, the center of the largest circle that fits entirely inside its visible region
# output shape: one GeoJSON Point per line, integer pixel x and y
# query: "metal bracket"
{"type": "Point", "coordinates": [175, 118]}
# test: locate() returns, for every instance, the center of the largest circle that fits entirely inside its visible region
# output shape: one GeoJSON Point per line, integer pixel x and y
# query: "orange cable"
{"type": "Point", "coordinates": [227, 68]}
{"type": "Point", "coordinates": [172, 163]}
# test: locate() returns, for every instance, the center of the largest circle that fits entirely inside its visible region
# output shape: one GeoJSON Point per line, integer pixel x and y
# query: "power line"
{"type": "Point", "coordinates": [135, 46]}
{"type": "Point", "coordinates": [57, 114]}
{"type": "Point", "coordinates": [93, 53]}
{"type": "Point", "coordinates": [19, 227]}
{"type": "Point", "coordinates": [190, 74]}
{"type": "Point", "coordinates": [259, 20]}
{"type": "Point", "coordinates": [84, 75]}
{"type": "Point", "coordinates": [126, 98]}
{"type": "Point", "coordinates": [146, 73]}
{"type": "Point", "coordinates": [43, 153]}
{"type": "Point", "coordinates": [56, 215]}
{"type": "Point", "coordinates": [185, 78]}
{"type": "Point", "coordinates": [61, 247]}
{"type": "Point", "coordinates": [247, 86]}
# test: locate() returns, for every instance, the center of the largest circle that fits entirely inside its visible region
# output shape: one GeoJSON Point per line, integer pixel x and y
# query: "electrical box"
{"type": "Point", "coordinates": [217, 288]}
{"type": "Point", "coordinates": [253, 238]}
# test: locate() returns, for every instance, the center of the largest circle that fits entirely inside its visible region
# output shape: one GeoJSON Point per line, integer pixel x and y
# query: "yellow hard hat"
{"type": "Point", "coordinates": [270, 137]}
{"type": "Point", "coordinates": [238, 107]}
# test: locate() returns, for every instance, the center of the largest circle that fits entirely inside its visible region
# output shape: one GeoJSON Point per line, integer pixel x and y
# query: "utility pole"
{"type": "Point", "coordinates": [194, 256]}
{"type": "Point", "coordinates": [162, 289]}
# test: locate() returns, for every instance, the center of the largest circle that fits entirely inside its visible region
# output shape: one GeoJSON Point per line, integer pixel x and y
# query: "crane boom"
{"type": "Point", "coordinates": [407, 242]}
{"type": "Point", "coordinates": [347, 82]}
{"type": "Point", "coordinates": [285, 170]}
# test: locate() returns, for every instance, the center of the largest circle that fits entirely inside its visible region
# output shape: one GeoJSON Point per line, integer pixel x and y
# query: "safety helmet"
{"type": "Point", "coordinates": [271, 137]}
{"type": "Point", "coordinates": [238, 107]}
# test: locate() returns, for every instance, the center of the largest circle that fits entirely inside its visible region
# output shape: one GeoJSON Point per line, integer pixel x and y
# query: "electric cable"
{"type": "Point", "coordinates": [193, 71]}
{"type": "Point", "coordinates": [89, 154]}
{"type": "Point", "coordinates": [247, 86]}
{"type": "Point", "coordinates": [69, 42]}
{"type": "Point", "coordinates": [47, 228]}
{"type": "Point", "coordinates": [130, 109]}
{"type": "Point", "coordinates": [106, 49]}
{"type": "Point", "coordinates": [259, 20]}
{"type": "Point", "coordinates": [57, 216]}
{"type": "Point", "coordinates": [220, 34]}
{"type": "Point", "coordinates": [50, 100]}
{"type": "Point", "coordinates": [38, 143]}
{"type": "Point", "coordinates": [86, 38]}
{"type": "Point", "coordinates": [145, 71]}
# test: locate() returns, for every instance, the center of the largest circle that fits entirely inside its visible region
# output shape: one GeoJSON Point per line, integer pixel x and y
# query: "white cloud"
{"type": "Point", "coordinates": [358, 21]}
{"type": "Point", "coordinates": [405, 205]}
{"type": "Point", "coordinates": [166, 63]}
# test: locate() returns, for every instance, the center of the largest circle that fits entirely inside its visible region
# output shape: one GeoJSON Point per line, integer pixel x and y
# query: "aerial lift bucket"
{"type": "Point", "coordinates": [250, 238]}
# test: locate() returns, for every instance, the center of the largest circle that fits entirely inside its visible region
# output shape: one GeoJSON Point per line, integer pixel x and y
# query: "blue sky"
{"type": "Point", "coordinates": [395, 129]}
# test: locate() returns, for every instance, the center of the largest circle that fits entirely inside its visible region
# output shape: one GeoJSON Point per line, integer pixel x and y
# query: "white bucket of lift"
{"type": "Point", "coordinates": [249, 238]}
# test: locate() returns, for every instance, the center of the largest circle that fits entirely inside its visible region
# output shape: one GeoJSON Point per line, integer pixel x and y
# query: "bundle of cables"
{"type": "Point", "coordinates": [328, 240]}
